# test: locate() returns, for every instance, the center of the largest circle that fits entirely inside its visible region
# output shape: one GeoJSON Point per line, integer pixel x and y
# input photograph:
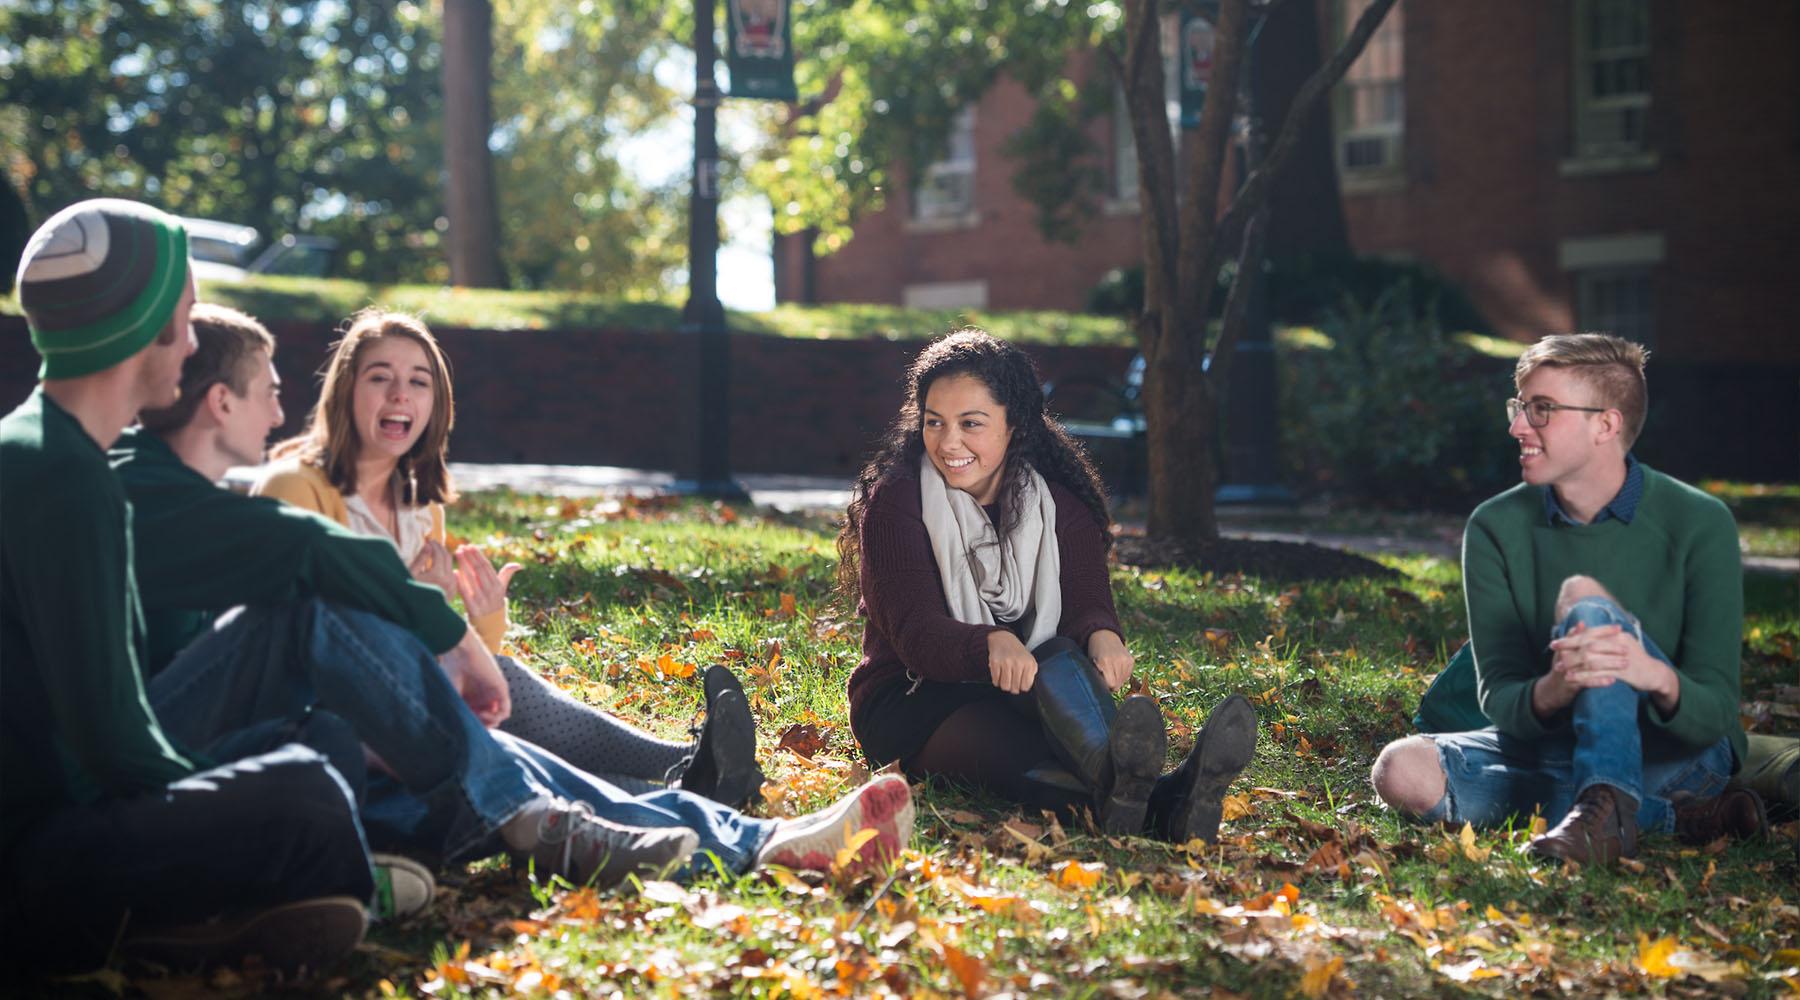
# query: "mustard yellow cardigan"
{"type": "Point", "coordinates": [291, 481]}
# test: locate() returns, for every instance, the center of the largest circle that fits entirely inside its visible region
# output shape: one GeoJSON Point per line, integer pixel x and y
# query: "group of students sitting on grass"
{"type": "Point", "coordinates": [243, 726]}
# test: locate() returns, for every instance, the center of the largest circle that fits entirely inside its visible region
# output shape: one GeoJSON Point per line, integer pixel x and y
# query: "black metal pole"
{"type": "Point", "coordinates": [703, 316]}
{"type": "Point", "coordinates": [1252, 423]}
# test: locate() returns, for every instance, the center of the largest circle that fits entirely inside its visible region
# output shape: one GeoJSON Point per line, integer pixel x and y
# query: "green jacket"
{"type": "Point", "coordinates": [202, 550]}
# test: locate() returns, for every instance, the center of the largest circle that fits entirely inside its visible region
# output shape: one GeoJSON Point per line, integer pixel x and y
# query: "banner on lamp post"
{"type": "Point", "coordinates": [759, 48]}
{"type": "Point", "coordinates": [1196, 52]}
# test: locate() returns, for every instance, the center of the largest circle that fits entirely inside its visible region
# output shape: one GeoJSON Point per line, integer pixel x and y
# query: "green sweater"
{"type": "Point", "coordinates": [202, 550]}
{"type": "Point", "coordinates": [75, 726]}
{"type": "Point", "coordinates": [1675, 566]}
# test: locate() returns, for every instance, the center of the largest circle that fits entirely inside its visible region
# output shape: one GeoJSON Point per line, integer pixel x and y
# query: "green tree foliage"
{"type": "Point", "coordinates": [884, 78]}
{"type": "Point", "coordinates": [571, 82]}
{"type": "Point", "coordinates": [326, 117]}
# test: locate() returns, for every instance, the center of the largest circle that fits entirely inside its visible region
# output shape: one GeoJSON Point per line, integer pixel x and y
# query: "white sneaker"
{"type": "Point", "coordinates": [403, 888]}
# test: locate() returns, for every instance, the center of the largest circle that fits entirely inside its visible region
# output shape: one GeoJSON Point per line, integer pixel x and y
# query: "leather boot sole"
{"type": "Point", "coordinates": [733, 749]}
{"type": "Point", "coordinates": [294, 941]}
{"type": "Point", "coordinates": [1138, 746]}
{"type": "Point", "coordinates": [1227, 743]}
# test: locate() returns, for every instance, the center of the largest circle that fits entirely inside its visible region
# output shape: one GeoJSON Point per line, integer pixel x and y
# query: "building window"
{"type": "Point", "coordinates": [1370, 104]}
{"type": "Point", "coordinates": [1614, 290]}
{"type": "Point", "coordinates": [1612, 76]}
{"type": "Point", "coordinates": [1124, 151]}
{"type": "Point", "coordinates": [946, 190]}
{"type": "Point", "coordinates": [1616, 300]}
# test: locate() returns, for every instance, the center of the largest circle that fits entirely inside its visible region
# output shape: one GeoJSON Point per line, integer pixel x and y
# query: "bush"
{"type": "Point", "coordinates": [1386, 407]}
{"type": "Point", "coordinates": [1305, 288]}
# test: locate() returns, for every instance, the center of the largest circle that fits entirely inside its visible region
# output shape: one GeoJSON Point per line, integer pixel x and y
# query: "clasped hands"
{"type": "Point", "coordinates": [1013, 669]}
{"type": "Point", "coordinates": [1596, 657]}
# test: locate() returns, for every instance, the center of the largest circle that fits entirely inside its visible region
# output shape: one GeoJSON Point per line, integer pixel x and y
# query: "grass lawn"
{"type": "Point", "coordinates": [1313, 889]}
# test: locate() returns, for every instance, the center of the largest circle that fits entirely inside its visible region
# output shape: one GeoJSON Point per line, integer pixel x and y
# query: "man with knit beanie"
{"type": "Point", "coordinates": [1606, 609]}
{"type": "Point", "coordinates": [113, 839]}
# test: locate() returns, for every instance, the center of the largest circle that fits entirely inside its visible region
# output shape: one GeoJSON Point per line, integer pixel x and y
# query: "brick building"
{"type": "Point", "coordinates": [1630, 165]}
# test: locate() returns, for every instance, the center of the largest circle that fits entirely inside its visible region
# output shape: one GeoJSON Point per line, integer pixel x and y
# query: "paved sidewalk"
{"type": "Point", "coordinates": [791, 493]}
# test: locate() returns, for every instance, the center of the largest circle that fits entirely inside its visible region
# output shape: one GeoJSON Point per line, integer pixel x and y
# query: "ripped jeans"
{"type": "Point", "coordinates": [1489, 776]}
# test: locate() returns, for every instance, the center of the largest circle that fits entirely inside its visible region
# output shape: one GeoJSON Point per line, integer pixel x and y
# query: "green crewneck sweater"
{"type": "Point", "coordinates": [201, 550]}
{"type": "Point", "coordinates": [1675, 566]}
{"type": "Point", "coordinates": [75, 726]}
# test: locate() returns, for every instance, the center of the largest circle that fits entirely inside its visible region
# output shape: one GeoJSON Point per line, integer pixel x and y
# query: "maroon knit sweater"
{"type": "Point", "coordinates": [908, 623]}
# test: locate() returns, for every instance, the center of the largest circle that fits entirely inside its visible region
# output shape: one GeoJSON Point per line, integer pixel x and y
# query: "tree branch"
{"type": "Point", "coordinates": [1156, 163]}
{"type": "Point", "coordinates": [1255, 190]}
{"type": "Point", "coordinates": [1231, 325]}
{"type": "Point", "coordinates": [1199, 208]}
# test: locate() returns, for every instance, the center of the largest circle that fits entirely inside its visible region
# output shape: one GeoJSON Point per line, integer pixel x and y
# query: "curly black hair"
{"type": "Point", "coordinates": [1038, 441]}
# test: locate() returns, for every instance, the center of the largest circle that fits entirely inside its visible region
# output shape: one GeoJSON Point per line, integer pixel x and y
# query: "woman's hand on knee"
{"type": "Point", "coordinates": [1109, 654]}
{"type": "Point", "coordinates": [1010, 665]}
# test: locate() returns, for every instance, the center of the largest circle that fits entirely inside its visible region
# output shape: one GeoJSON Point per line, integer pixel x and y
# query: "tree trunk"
{"type": "Point", "coordinates": [472, 208]}
{"type": "Point", "coordinates": [1182, 257]}
{"type": "Point", "coordinates": [1306, 213]}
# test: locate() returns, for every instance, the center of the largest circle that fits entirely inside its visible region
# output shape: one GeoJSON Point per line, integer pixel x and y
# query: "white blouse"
{"type": "Point", "coordinates": [414, 523]}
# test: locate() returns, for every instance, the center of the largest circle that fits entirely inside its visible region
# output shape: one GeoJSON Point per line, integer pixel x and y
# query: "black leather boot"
{"type": "Point", "coordinates": [722, 766]}
{"type": "Point", "coordinates": [1187, 802]}
{"type": "Point", "coordinates": [1116, 751]}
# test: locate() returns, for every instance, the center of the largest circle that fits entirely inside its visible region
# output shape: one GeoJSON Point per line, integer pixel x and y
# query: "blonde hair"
{"type": "Point", "coordinates": [329, 441]}
{"type": "Point", "coordinates": [1612, 367]}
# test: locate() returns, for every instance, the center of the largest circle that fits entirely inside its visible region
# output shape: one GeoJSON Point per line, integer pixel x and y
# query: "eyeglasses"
{"type": "Point", "coordinates": [1538, 411]}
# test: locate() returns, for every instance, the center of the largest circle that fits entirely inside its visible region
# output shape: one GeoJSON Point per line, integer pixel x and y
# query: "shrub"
{"type": "Point", "coordinates": [1387, 407]}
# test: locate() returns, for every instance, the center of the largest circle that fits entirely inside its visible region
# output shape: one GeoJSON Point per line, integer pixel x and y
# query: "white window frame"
{"type": "Point", "coordinates": [1389, 136]}
{"type": "Point", "coordinates": [1599, 260]}
{"type": "Point", "coordinates": [945, 192]}
{"type": "Point", "coordinates": [1599, 121]}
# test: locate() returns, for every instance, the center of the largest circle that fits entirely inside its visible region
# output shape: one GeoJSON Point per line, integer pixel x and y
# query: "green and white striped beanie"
{"type": "Point", "coordinates": [98, 281]}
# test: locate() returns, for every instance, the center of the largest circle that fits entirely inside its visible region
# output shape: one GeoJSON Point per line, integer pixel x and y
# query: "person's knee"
{"type": "Point", "coordinates": [1407, 775]}
{"type": "Point", "coordinates": [1579, 588]}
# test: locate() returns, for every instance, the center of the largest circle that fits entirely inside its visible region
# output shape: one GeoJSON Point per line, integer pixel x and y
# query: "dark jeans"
{"type": "Point", "coordinates": [260, 831]}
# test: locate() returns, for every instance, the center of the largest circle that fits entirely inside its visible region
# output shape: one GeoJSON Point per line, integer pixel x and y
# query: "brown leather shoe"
{"type": "Point", "coordinates": [1735, 812]}
{"type": "Point", "coordinates": [1600, 829]}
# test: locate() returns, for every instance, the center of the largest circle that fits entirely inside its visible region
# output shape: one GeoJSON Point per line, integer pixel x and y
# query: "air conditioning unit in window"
{"type": "Point", "coordinates": [1364, 153]}
{"type": "Point", "coordinates": [946, 191]}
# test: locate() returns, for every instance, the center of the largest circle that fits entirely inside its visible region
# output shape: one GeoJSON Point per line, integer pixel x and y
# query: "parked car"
{"type": "Point", "coordinates": [228, 251]}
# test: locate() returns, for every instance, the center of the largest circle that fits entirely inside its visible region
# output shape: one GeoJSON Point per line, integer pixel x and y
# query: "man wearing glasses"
{"type": "Point", "coordinates": [1606, 612]}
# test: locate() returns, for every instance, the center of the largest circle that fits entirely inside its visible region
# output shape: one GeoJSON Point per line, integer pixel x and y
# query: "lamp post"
{"type": "Point", "coordinates": [1252, 424]}
{"type": "Point", "coordinates": [703, 317]}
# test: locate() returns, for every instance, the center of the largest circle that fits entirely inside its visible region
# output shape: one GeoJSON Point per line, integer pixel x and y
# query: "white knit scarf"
{"type": "Point", "coordinates": [988, 580]}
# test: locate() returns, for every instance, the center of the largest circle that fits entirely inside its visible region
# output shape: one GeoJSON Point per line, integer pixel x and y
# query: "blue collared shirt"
{"type": "Point", "coordinates": [1623, 505]}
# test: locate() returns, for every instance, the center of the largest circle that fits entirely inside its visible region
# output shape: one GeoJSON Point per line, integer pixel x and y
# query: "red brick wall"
{"type": "Point", "coordinates": [1489, 120]}
{"type": "Point", "coordinates": [625, 397]}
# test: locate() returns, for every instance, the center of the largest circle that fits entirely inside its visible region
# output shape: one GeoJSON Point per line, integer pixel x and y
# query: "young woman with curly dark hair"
{"type": "Point", "coordinates": [975, 549]}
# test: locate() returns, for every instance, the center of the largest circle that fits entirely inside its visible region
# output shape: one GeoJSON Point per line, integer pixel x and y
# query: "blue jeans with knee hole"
{"type": "Point", "coordinates": [1489, 776]}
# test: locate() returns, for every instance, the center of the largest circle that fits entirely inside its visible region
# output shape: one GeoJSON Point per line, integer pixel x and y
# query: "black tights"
{"type": "Point", "coordinates": [991, 745]}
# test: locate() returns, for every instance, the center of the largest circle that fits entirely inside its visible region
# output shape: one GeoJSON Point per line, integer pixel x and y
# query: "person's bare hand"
{"type": "Point", "coordinates": [472, 670]}
{"type": "Point", "coordinates": [1010, 664]}
{"type": "Point", "coordinates": [483, 589]}
{"type": "Point", "coordinates": [433, 565]}
{"type": "Point", "coordinates": [1608, 654]}
{"type": "Point", "coordinates": [1109, 654]}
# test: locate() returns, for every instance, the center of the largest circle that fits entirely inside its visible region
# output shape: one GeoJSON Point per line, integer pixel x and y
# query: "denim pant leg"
{"type": "Point", "coordinates": [276, 662]}
{"type": "Point", "coordinates": [1490, 776]}
{"type": "Point", "coordinates": [1609, 745]}
{"type": "Point", "coordinates": [730, 835]}
{"type": "Point", "coordinates": [254, 833]}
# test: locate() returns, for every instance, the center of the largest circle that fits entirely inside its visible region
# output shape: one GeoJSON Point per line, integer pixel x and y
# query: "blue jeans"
{"type": "Point", "coordinates": [453, 782]}
{"type": "Point", "coordinates": [1489, 775]}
